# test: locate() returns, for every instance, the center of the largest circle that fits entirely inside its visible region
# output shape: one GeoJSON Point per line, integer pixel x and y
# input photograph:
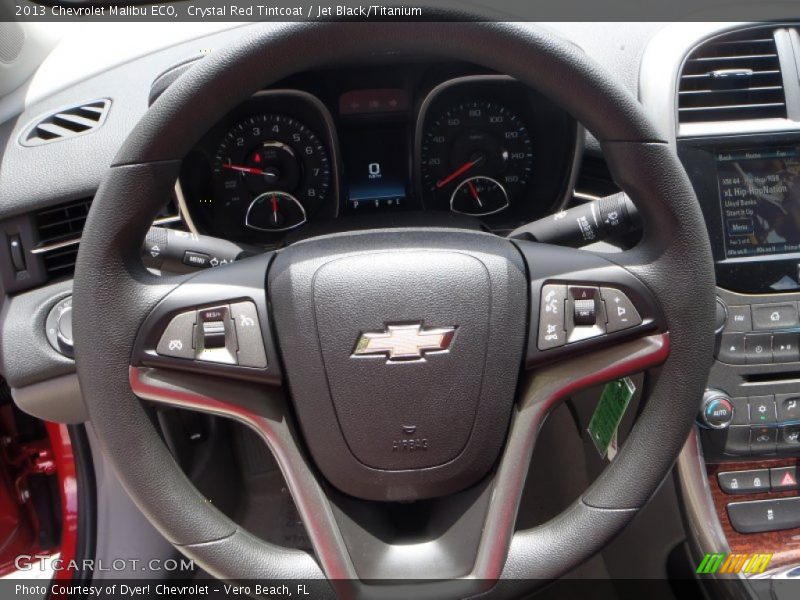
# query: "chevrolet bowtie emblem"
{"type": "Point", "coordinates": [404, 341]}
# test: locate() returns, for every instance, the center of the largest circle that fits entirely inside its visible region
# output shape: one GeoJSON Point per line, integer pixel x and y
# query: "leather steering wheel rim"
{"type": "Point", "coordinates": [113, 292]}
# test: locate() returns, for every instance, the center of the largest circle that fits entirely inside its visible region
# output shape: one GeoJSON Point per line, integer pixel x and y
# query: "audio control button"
{"type": "Point", "coordinates": [758, 348]}
{"type": "Point", "coordinates": [739, 318]}
{"type": "Point", "coordinates": [775, 316]}
{"type": "Point", "coordinates": [731, 349]}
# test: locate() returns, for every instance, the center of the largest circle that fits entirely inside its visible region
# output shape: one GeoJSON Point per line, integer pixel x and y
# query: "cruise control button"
{"type": "Point", "coordinates": [744, 482]}
{"type": "Point", "coordinates": [620, 311]}
{"type": "Point", "coordinates": [731, 349]}
{"type": "Point", "coordinates": [762, 410]}
{"type": "Point", "coordinates": [783, 478]}
{"type": "Point", "coordinates": [551, 317]}
{"type": "Point", "coordinates": [739, 318]}
{"type": "Point", "coordinates": [788, 407]}
{"type": "Point", "coordinates": [248, 331]}
{"type": "Point", "coordinates": [775, 316]}
{"type": "Point", "coordinates": [785, 347]}
{"type": "Point", "coordinates": [176, 341]}
{"type": "Point", "coordinates": [758, 348]}
{"type": "Point", "coordinates": [765, 515]}
{"type": "Point", "coordinates": [216, 336]}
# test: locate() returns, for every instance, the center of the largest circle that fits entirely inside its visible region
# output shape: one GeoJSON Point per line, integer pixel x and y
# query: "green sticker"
{"type": "Point", "coordinates": [608, 414]}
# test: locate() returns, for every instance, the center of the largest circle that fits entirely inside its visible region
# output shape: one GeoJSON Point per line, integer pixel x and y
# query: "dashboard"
{"type": "Point", "coordinates": [321, 150]}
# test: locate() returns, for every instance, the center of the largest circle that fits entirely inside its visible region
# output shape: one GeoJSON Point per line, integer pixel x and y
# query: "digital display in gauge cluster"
{"type": "Point", "coordinates": [376, 168]}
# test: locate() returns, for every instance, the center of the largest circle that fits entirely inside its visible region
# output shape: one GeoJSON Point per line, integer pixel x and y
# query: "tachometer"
{"type": "Point", "coordinates": [271, 172]}
{"type": "Point", "coordinates": [476, 158]}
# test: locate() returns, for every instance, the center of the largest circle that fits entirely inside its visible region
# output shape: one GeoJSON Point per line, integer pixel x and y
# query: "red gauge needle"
{"type": "Point", "coordinates": [275, 207]}
{"type": "Point", "coordinates": [242, 169]}
{"type": "Point", "coordinates": [459, 171]}
{"type": "Point", "coordinates": [474, 193]}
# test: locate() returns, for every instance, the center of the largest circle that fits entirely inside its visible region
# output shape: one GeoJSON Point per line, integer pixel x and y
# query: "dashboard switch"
{"type": "Point", "coordinates": [783, 478]}
{"type": "Point", "coordinates": [739, 318]}
{"type": "Point", "coordinates": [17, 254]}
{"type": "Point", "coordinates": [731, 349]}
{"type": "Point", "coordinates": [176, 341]}
{"type": "Point", "coordinates": [775, 316]}
{"type": "Point", "coordinates": [717, 412]}
{"type": "Point", "coordinates": [762, 410]}
{"type": "Point", "coordinates": [758, 348]}
{"type": "Point", "coordinates": [788, 407]}
{"type": "Point", "coordinates": [765, 515]}
{"type": "Point", "coordinates": [785, 347]}
{"type": "Point", "coordinates": [744, 482]}
{"type": "Point", "coordinates": [620, 311]}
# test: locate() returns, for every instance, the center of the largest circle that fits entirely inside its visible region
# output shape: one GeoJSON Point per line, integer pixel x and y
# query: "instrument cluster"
{"type": "Point", "coordinates": [324, 149]}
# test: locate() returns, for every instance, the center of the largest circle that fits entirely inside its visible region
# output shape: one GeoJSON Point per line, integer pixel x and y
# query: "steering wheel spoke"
{"type": "Point", "coordinates": [583, 301]}
{"type": "Point", "coordinates": [215, 322]}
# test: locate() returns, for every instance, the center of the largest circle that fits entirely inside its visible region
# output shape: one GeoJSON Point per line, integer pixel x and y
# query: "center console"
{"type": "Point", "coordinates": [749, 424]}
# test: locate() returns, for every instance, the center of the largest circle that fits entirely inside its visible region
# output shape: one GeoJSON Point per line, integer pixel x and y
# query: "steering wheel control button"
{"type": "Point", "coordinates": [551, 317]}
{"type": "Point", "coordinates": [248, 333]}
{"type": "Point", "coordinates": [756, 516]}
{"type": "Point", "coordinates": [216, 340]}
{"type": "Point", "coordinates": [731, 349]}
{"type": "Point", "coordinates": [620, 311]}
{"type": "Point", "coordinates": [739, 319]}
{"type": "Point", "coordinates": [775, 316]}
{"type": "Point", "coordinates": [758, 348]}
{"type": "Point", "coordinates": [585, 312]}
{"type": "Point", "coordinates": [717, 410]}
{"type": "Point", "coordinates": [213, 334]}
{"type": "Point", "coordinates": [788, 407]}
{"type": "Point", "coordinates": [177, 339]}
{"type": "Point", "coordinates": [586, 315]}
{"type": "Point", "coordinates": [763, 440]}
{"type": "Point", "coordinates": [783, 478]}
{"type": "Point", "coordinates": [744, 482]}
{"type": "Point", "coordinates": [762, 410]}
{"type": "Point", "coordinates": [58, 326]}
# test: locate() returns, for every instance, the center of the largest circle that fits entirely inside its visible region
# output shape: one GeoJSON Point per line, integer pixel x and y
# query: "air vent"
{"type": "Point", "coordinates": [66, 123]}
{"type": "Point", "coordinates": [60, 229]}
{"type": "Point", "coordinates": [732, 78]}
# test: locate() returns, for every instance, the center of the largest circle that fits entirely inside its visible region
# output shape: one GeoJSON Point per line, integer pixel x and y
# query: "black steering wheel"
{"type": "Point", "coordinates": [434, 388]}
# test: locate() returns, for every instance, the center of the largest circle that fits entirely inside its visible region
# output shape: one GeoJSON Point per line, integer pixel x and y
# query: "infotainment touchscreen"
{"type": "Point", "coordinates": [759, 193]}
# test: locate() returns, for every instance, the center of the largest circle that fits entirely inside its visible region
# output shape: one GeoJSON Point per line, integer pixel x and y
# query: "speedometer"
{"type": "Point", "coordinates": [271, 172]}
{"type": "Point", "coordinates": [475, 158]}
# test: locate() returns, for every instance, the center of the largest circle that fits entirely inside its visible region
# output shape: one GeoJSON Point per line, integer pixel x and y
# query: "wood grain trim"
{"type": "Point", "coordinates": [784, 545]}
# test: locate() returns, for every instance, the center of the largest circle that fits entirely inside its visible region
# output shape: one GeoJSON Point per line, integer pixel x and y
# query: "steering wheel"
{"type": "Point", "coordinates": [383, 367]}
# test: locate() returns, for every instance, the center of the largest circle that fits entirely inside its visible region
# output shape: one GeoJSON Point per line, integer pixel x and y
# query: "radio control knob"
{"type": "Point", "coordinates": [717, 409]}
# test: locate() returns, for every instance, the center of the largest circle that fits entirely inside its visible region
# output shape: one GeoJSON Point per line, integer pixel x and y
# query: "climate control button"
{"type": "Point", "coordinates": [717, 412]}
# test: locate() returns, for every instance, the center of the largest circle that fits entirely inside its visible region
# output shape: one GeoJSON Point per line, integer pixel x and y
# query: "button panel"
{"type": "Point", "coordinates": [764, 425]}
{"type": "Point", "coordinates": [760, 334]}
{"type": "Point", "coordinates": [573, 313]}
{"type": "Point", "coordinates": [224, 334]}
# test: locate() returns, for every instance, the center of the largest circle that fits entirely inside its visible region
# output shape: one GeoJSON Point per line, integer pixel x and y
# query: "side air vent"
{"type": "Point", "coordinates": [66, 123]}
{"type": "Point", "coordinates": [59, 231]}
{"type": "Point", "coordinates": [60, 228]}
{"type": "Point", "coordinates": [732, 78]}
